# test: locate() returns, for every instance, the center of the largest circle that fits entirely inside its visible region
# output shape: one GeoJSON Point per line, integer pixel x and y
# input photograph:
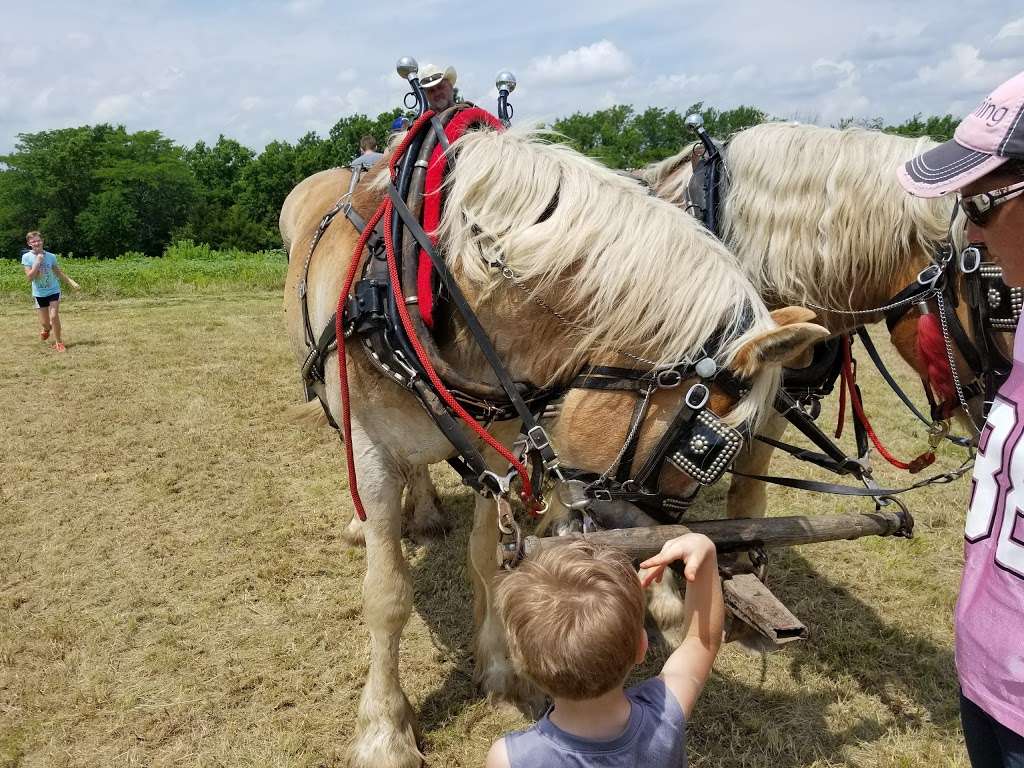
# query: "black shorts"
{"type": "Point", "coordinates": [45, 301]}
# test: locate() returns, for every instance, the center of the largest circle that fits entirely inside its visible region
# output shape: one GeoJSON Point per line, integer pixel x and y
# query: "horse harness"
{"type": "Point", "coordinates": [696, 441]}
{"type": "Point", "coordinates": [994, 308]}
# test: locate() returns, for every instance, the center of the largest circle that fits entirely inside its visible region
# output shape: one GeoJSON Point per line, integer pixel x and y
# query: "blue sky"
{"type": "Point", "coordinates": [275, 69]}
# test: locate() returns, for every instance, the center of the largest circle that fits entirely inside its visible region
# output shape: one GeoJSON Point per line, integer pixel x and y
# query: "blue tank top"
{"type": "Point", "coordinates": [654, 737]}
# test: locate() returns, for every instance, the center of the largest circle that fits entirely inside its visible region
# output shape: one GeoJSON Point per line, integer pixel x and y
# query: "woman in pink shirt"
{"type": "Point", "coordinates": [984, 163]}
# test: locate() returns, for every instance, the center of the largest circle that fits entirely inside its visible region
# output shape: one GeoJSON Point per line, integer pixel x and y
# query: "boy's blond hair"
{"type": "Point", "coordinates": [573, 616]}
{"type": "Point", "coordinates": [33, 233]}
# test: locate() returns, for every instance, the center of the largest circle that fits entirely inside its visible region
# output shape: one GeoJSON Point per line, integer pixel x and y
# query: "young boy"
{"type": "Point", "coordinates": [41, 268]}
{"type": "Point", "coordinates": [575, 624]}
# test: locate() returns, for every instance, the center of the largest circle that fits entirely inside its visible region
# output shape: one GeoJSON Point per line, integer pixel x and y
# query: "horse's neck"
{"type": "Point", "coordinates": [528, 339]}
{"type": "Point", "coordinates": [865, 298]}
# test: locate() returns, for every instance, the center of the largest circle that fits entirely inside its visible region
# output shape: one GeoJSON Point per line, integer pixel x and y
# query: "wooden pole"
{"type": "Point", "coordinates": [737, 535]}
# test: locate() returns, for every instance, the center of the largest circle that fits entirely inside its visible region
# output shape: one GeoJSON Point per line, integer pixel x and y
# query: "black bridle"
{"type": "Point", "coordinates": [697, 442]}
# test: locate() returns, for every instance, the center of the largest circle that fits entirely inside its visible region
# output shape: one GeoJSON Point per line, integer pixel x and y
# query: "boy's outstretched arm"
{"type": "Point", "coordinates": [689, 666]}
{"type": "Point", "coordinates": [497, 757]}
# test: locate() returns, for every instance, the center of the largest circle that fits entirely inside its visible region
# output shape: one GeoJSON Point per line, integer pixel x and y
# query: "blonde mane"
{"type": "Point", "coordinates": [669, 177]}
{"type": "Point", "coordinates": [816, 215]}
{"type": "Point", "coordinates": [635, 273]}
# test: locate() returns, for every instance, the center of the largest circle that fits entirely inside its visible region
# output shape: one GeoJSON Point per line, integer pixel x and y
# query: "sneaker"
{"type": "Point", "coordinates": [44, 334]}
{"type": "Point", "coordinates": [58, 347]}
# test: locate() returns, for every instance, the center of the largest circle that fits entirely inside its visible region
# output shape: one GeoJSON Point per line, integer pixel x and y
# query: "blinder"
{"type": "Point", "coordinates": [1003, 303]}
{"type": "Point", "coordinates": [707, 448]}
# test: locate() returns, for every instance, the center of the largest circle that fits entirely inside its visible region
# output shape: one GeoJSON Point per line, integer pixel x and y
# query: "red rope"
{"type": "Point", "coordinates": [858, 408]}
{"type": "Point", "coordinates": [339, 330]}
{"type": "Point", "coordinates": [442, 390]}
{"type": "Point", "coordinates": [385, 210]}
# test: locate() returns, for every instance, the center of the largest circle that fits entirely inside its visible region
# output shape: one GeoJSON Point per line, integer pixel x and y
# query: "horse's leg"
{"type": "Point", "coordinates": [746, 497]}
{"type": "Point", "coordinates": [421, 510]}
{"type": "Point", "coordinates": [386, 736]}
{"type": "Point", "coordinates": [422, 507]}
{"type": "Point", "coordinates": [665, 606]}
{"type": "Point", "coordinates": [494, 672]}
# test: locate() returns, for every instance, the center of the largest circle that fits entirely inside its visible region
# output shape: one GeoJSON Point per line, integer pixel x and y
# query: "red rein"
{"type": "Point", "coordinates": [849, 385]}
{"type": "Point", "coordinates": [385, 211]}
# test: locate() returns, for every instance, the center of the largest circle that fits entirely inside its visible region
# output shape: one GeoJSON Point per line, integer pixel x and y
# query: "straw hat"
{"type": "Point", "coordinates": [431, 75]}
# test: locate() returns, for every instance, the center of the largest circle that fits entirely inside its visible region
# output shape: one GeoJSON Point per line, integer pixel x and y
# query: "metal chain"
{"type": "Point", "coordinates": [633, 430]}
{"type": "Point", "coordinates": [324, 223]}
{"type": "Point", "coordinates": [952, 362]}
{"type": "Point", "coordinates": [884, 308]}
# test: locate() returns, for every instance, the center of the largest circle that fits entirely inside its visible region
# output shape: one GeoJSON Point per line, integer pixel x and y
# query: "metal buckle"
{"type": "Point", "coordinates": [697, 396]}
{"type": "Point", "coordinates": [930, 275]}
{"type": "Point", "coordinates": [973, 253]}
{"type": "Point", "coordinates": [670, 378]}
{"type": "Point", "coordinates": [538, 443]}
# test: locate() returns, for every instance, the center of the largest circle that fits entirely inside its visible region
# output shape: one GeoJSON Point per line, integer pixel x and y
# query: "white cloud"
{"type": "Point", "coordinates": [308, 103]}
{"type": "Point", "coordinates": [303, 7]}
{"type": "Point", "coordinates": [249, 103]}
{"type": "Point", "coordinates": [744, 74]}
{"type": "Point", "coordinates": [1012, 29]}
{"type": "Point", "coordinates": [112, 108]}
{"type": "Point", "coordinates": [965, 72]}
{"type": "Point", "coordinates": [602, 60]}
{"type": "Point", "coordinates": [79, 40]}
{"type": "Point", "coordinates": [690, 85]}
{"type": "Point", "coordinates": [347, 75]}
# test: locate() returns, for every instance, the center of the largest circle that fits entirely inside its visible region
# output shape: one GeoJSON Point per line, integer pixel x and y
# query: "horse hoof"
{"type": "Point", "coordinates": [386, 746]}
{"type": "Point", "coordinates": [503, 689]}
{"type": "Point", "coordinates": [428, 525]}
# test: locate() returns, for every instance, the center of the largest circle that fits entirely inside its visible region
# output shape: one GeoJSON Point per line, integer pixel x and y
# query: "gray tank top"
{"type": "Point", "coordinates": [654, 737]}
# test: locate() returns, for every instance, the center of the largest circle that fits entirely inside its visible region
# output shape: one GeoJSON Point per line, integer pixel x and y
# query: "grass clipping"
{"type": "Point", "coordinates": [174, 589]}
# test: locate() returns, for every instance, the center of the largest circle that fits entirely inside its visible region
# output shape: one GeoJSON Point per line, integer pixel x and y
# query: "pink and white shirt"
{"type": "Point", "coordinates": [990, 609]}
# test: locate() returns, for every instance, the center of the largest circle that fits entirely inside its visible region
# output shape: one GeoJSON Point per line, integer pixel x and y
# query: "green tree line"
{"type": "Point", "coordinates": [99, 191]}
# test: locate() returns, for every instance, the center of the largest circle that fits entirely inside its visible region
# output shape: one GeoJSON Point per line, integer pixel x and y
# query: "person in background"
{"type": "Point", "coordinates": [574, 618]}
{"type": "Point", "coordinates": [439, 86]}
{"type": "Point", "coordinates": [368, 154]}
{"type": "Point", "coordinates": [45, 275]}
{"type": "Point", "coordinates": [984, 163]}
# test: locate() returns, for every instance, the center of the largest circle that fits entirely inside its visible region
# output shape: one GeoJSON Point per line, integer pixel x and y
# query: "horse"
{"type": "Point", "coordinates": [604, 274]}
{"type": "Point", "coordinates": [818, 219]}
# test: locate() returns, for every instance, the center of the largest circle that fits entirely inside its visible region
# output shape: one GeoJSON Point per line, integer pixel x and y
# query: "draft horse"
{"type": "Point", "coordinates": [568, 268]}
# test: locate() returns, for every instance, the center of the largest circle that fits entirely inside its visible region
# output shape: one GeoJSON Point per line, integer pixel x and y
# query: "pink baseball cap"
{"type": "Point", "coordinates": [984, 140]}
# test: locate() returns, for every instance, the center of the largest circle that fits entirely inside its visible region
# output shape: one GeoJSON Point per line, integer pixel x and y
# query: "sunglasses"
{"type": "Point", "coordinates": [978, 208]}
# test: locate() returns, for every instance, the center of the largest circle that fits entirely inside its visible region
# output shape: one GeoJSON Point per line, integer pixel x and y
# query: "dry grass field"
{"type": "Point", "coordinates": [174, 589]}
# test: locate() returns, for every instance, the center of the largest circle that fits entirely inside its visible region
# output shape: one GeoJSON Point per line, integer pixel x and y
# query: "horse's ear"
{"type": "Point", "coordinates": [790, 315]}
{"type": "Point", "coordinates": [784, 345]}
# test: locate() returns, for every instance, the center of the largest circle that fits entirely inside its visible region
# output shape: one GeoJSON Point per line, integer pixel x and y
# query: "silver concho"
{"type": "Point", "coordinates": [708, 450]}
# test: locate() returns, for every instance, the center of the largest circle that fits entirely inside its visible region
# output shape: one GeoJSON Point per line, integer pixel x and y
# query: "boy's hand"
{"type": "Point", "coordinates": [694, 549]}
{"type": "Point", "coordinates": [75, 285]}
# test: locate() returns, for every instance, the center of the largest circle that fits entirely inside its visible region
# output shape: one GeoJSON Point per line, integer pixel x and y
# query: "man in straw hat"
{"type": "Point", "coordinates": [439, 86]}
{"type": "Point", "coordinates": [984, 163]}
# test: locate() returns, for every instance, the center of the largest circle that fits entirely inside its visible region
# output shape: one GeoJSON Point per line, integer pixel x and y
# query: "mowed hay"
{"type": "Point", "coordinates": [174, 588]}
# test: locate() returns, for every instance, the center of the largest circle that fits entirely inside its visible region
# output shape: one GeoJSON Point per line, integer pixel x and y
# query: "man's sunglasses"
{"type": "Point", "coordinates": [978, 208]}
